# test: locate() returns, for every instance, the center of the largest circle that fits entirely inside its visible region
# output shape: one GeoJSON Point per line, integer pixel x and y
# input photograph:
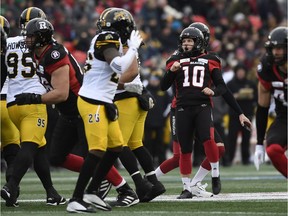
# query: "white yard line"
{"type": "Point", "coordinates": [220, 197]}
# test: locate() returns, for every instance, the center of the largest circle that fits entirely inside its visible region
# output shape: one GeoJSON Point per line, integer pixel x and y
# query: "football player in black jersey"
{"type": "Point", "coordinates": [193, 72]}
{"type": "Point", "coordinates": [168, 165]}
{"type": "Point", "coordinates": [272, 76]}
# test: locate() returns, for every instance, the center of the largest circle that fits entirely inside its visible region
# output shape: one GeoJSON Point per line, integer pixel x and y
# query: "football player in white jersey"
{"type": "Point", "coordinates": [132, 122]}
{"type": "Point", "coordinates": [30, 119]}
{"type": "Point", "coordinates": [10, 138]}
{"type": "Point", "coordinates": [104, 64]}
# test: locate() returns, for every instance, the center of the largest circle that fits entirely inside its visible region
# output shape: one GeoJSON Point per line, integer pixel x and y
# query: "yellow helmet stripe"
{"type": "Point", "coordinates": [28, 14]}
{"type": "Point", "coordinates": [2, 21]}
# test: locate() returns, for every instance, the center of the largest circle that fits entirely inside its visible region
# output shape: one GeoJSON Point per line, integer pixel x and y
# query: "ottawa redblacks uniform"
{"type": "Point", "coordinates": [274, 80]}
{"type": "Point", "coordinates": [55, 56]}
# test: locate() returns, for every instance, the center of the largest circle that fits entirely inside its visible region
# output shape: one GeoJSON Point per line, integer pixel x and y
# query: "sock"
{"type": "Point", "coordinates": [23, 160]}
{"type": "Point", "coordinates": [186, 183]}
{"type": "Point", "coordinates": [130, 163]}
{"type": "Point", "coordinates": [151, 177]}
{"type": "Point", "coordinates": [159, 172]}
{"type": "Point", "coordinates": [185, 163]}
{"type": "Point", "coordinates": [173, 162]}
{"type": "Point", "coordinates": [42, 167]}
{"type": "Point", "coordinates": [144, 158]}
{"type": "Point", "coordinates": [73, 162]}
{"type": "Point", "coordinates": [102, 169]}
{"type": "Point", "coordinates": [278, 158]}
{"type": "Point", "coordinates": [123, 182]}
{"type": "Point", "coordinates": [215, 169]}
{"type": "Point", "coordinates": [9, 153]}
{"type": "Point", "coordinates": [87, 170]}
{"type": "Point", "coordinates": [211, 151]}
{"type": "Point", "coordinates": [114, 177]}
{"type": "Point", "coordinates": [206, 164]}
{"type": "Point", "coordinates": [200, 175]}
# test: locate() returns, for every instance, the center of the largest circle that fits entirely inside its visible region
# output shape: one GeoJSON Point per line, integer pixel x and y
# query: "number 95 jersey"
{"type": "Point", "coordinates": [20, 70]}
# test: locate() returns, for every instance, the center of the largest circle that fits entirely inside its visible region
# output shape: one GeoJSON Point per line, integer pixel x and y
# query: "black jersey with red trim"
{"type": "Point", "coordinates": [195, 74]}
{"type": "Point", "coordinates": [55, 56]}
{"type": "Point", "coordinates": [271, 77]}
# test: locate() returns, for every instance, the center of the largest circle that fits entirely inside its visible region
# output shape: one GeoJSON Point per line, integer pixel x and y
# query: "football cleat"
{"type": "Point", "coordinates": [9, 196]}
{"type": "Point", "coordinates": [157, 189]}
{"type": "Point", "coordinates": [92, 198]}
{"type": "Point", "coordinates": [126, 197]}
{"type": "Point", "coordinates": [216, 185]}
{"type": "Point", "coordinates": [53, 198]}
{"type": "Point", "coordinates": [104, 189]}
{"type": "Point", "coordinates": [185, 195]}
{"type": "Point", "coordinates": [79, 206]}
{"type": "Point", "coordinates": [199, 190]}
{"type": "Point", "coordinates": [144, 189]}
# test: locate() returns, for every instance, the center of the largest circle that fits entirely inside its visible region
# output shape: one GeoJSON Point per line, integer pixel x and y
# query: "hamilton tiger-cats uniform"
{"type": "Point", "coordinates": [23, 79]}
{"type": "Point", "coordinates": [9, 132]}
{"type": "Point", "coordinates": [99, 87]}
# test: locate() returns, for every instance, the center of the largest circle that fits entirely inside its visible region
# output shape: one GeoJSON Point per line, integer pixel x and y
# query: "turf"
{"type": "Point", "coordinates": [236, 180]}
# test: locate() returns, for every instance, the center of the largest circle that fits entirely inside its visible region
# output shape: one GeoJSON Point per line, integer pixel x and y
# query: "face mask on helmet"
{"type": "Point", "coordinates": [29, 14]}
{"type": "Point", "coordinates": [277, 39]}
{"type": "Point", "coordinates": [198, 38]}
{"type": "Point", "coordinates": [117, 20]}
{"type": "Point", "coordinates": [205, 31]}
{"type": "Point", "coordinates": [38, 33]}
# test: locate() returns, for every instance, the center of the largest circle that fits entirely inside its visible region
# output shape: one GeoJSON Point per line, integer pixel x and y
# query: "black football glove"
{"type": "Point", "coordinates": [28, 98]}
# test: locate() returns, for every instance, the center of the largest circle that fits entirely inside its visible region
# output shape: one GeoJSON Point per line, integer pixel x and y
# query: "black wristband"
{"type": "Point", "coordinates": [261, 123]}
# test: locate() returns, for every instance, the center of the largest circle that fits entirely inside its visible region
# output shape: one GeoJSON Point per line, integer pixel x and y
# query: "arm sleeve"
{"type": "Point", "coordinates": [261, 123]}
{"type": "Point", "coordinates": [167, 80]}
{"type": "Point", "coordinates": [121, 64]}
{"type": "Point", "coordinates": [230, 100]}
{"type": "Point", "coordinates": [218, 82]}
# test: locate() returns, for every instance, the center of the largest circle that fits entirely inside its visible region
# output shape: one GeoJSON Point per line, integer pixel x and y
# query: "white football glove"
{"type": "Point", "coordinates": [135, 40]}
{"type": "Point", "coordinates": [134, 87]}
{"type": "Point", "coordinates": [259, 156]}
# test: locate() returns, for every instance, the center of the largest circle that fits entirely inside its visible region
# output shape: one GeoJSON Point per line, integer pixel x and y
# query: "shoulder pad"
{"type": "Point", "coordinates": [264, 69]}
{"type": "Point", "coordinates": [107, 38]}
{"type": "Point", "coordinates": [174, 57]}
{"type": "Point", "coordinates": [213, 56]}
{"type": "Point", "coordinates": [55, 54]}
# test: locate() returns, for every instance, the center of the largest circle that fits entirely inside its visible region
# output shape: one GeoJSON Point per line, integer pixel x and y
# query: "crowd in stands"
{"type": "Point", "coordinates": [238, 28]}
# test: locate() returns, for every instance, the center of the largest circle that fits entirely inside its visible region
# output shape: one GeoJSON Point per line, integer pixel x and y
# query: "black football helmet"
{"type": "Point", "coordinates": [198, 38]}
{"type": "Point", "coordinates": [117, 20]}
{"type": "Point", "coordinates": [277, 38]}
{"type": "Point", "coordinates": [205, 31]}
{"type": "Point", "coordinates": [5, 25]}
{"type": "Point", "coordinates": [42, 30]}
{"type": "Point", "coordinates": [29, 14]}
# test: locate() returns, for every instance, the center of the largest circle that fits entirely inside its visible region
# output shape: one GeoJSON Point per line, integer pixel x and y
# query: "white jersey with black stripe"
{"type": "Point", "coordinates": [100, 81]}
{"type": "Point", "coordinates": [21, 70]}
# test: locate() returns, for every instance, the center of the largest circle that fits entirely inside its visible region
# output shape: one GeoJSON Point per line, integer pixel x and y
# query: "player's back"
{"type": "Point", "coordinates": [21, 70]}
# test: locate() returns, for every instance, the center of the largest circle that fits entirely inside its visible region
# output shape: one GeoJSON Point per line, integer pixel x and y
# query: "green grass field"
{"type": "Point", "coordinates": [245, 191]}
